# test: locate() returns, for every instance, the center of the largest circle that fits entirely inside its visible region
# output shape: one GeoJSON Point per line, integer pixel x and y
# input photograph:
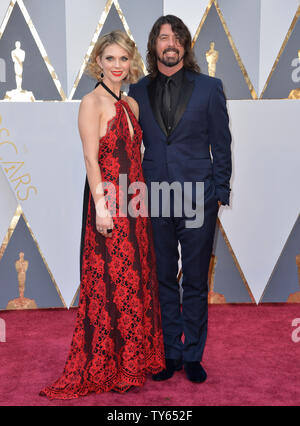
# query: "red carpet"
{"type": "Point", "coordinates": [250, 359]}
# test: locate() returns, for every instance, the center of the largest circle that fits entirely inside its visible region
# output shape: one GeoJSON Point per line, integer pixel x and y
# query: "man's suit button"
{"type": "Point", "coordinates": [168, 142]}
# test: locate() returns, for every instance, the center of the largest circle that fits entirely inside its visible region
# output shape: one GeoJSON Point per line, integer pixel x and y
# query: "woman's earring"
{"type": "Point", "coordinates": [102, 76]}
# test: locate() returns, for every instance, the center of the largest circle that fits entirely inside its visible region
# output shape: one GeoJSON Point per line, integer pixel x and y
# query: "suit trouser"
{"type": "Point", "coordinates": [196, 249]}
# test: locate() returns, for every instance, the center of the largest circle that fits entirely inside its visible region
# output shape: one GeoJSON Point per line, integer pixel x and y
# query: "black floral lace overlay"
{"type": "Point", "coordinates": [118, 336]}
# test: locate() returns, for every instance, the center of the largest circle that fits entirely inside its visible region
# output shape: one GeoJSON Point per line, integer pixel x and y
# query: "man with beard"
{"type": "Point", "coordinates": [186, 136]}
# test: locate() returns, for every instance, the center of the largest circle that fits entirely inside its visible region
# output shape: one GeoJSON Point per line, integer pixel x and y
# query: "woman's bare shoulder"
{"type": "Point", "coordinates": [90, 101]}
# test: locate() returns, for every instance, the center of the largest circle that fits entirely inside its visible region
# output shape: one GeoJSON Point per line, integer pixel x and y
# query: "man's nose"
{"type": "Point", "coordinates": [172, 41]}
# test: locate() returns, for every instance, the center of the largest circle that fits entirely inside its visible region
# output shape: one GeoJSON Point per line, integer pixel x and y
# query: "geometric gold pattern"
{"type": "Point", "coordinates": [284, 44]}
{"type": "Point", "coordinates": [95, 38]}
{"type": "Point", "coordinates": [214, 3]}
{"type": "Point", "coordinates": [14, 222]}
{"type": "Point", "coordinates": [37, 39]}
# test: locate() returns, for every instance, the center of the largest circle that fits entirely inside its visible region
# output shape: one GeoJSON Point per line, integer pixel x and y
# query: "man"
{"type": "Point", "coordinates": [183, 116]}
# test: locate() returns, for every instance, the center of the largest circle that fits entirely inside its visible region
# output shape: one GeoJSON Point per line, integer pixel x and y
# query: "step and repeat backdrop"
{"type": "Point", "coordinates": [252, 45]}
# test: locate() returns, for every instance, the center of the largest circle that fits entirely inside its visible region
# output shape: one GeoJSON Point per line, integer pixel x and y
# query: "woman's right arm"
{"type": "Point", "coordinates": [88, 123]}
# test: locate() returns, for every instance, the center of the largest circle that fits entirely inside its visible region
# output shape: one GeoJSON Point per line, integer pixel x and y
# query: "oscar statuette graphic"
{"type": "Point", "coordinates": [213, 297]}
{"type": "Point", "coordinates": [21, 302]}
{"type": "Point", "coordinates": [19, 95]}
{"type": "Point", "coordinates": [295, 297]}
{"type": "Point", "coordinates": [212, 57]}
{"type": "Point", "coordinates": [295, 94]}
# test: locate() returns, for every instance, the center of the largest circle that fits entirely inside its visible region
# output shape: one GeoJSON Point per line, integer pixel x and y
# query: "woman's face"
{"type": "Point", "coordinates": [115, 63]}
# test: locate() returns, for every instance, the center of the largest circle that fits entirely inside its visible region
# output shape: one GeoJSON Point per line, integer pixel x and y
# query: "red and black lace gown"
{"type": "Point", "coordinates": [118, 335]}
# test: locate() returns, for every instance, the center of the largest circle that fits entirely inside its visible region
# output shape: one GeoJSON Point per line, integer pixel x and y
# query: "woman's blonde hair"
{"type": "Point", "coordinates": [121, 39]}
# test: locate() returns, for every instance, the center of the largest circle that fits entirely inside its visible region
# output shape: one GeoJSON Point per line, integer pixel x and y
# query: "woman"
{"type": "Point", "coordinates": [118, 336]}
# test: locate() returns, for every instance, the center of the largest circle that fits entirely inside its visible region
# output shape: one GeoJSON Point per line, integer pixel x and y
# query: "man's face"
{"type": "Point", "coordinates": [169, 50]}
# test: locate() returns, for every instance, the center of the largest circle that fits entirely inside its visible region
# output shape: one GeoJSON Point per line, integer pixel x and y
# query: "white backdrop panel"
{"type": "Point", "coordinates": [265, 185]}
{"type": "Point", "coordinates": [54, 159]}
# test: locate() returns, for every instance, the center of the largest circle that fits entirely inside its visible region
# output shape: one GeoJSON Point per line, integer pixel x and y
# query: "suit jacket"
{"type": "Point", "coordinates": [198, 148]}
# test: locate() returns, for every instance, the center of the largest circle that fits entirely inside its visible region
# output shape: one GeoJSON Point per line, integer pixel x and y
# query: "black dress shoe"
{"type": "Point", "coordinates": [195, 372]}
{"type": "Point", "coordinates": [172, 365]}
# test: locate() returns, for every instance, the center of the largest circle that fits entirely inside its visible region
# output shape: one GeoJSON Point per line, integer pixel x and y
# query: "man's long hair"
{"type": "Point", "coordinates": [181, 30]}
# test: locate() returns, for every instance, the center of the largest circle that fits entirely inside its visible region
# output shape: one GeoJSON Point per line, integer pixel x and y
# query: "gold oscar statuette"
{"type": "Point", "coordinates": [213, 298]}
{"type": "Point", "coordinates": [212, 57]}
{"type": "Point", "coordinates": [19, 95]}
{"type": "Point", "coordinates": [295, 94]}
{"type": "Point", "coordinates": [21, 302]}
{"type": "Point", "coordinates": [295, 297]}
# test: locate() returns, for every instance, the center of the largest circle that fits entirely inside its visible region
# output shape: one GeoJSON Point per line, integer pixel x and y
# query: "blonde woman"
{"type": "Point", "coordinates": [118, 335]}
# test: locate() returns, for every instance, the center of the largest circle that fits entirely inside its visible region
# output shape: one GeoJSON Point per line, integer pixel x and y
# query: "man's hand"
{"type": "Point", "coordinates": [219, 204]}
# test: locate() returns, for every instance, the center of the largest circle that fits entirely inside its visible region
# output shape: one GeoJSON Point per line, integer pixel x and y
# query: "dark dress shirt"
{"type": "Point", "coordinates": [175, 85]}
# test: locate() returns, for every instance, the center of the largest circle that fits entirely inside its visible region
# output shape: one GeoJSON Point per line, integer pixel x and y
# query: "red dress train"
{"type": "Point", "coordinates": [118, 336]}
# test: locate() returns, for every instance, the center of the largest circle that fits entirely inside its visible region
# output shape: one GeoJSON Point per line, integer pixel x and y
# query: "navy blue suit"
{"type": "Point", "coordinates": [197, 150]}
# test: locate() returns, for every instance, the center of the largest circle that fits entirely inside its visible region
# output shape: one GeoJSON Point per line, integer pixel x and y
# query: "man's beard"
{"type": "Point", "coordinates": [171, 62]}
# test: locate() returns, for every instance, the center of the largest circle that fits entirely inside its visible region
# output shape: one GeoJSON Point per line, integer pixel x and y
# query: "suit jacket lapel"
{"type": "Point", "coordinates": [155, 107]}
{"type": "Point", "coordinates": [185, 96]}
